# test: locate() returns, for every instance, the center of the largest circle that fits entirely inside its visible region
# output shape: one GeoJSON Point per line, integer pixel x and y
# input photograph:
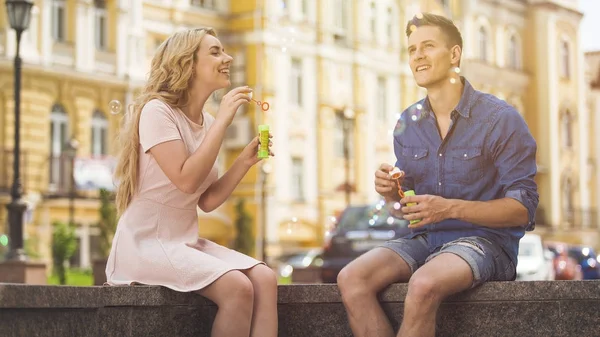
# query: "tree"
{"type": "Point", "coordinates": [244, 241]}
{"type": "Point", "coordinates": [64, 243]}
{"type": "Point", "coordinates": [108, 221]}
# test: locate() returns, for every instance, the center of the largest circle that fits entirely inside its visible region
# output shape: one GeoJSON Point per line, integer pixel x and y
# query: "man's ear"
{"type": "Point", "coordinates": [455, 54]}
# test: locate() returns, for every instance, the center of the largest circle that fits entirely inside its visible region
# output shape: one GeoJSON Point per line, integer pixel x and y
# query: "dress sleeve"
{"type": "Point", "coordinates": [157, 124]}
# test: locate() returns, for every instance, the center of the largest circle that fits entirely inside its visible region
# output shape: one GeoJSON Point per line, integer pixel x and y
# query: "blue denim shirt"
{"type": "Point", "coordinates": [487, 154]}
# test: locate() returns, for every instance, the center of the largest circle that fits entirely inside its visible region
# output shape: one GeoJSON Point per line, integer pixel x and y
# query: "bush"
{"type": "Point", "coordinates": [64, 243]}
{"type": "Point", "coordinates": [108, 221]}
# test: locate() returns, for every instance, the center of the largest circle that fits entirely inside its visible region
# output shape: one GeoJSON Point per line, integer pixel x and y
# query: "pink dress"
{"type": "Point", "coordinates": [156, 241]}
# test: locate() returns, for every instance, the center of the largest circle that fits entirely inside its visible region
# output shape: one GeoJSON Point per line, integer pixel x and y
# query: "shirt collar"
{"type": "Point", "coordinates": [464, 105]}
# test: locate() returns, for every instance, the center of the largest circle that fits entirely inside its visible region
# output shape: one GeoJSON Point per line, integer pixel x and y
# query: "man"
{"type": "Point", "coordinates": [470, 158]}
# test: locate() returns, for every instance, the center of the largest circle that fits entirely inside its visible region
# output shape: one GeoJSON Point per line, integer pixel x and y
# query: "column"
{"type": "Point", "coordinates": [84, 37]}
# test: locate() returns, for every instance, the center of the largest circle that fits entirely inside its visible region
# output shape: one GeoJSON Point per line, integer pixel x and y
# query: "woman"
{"type": "Point", "coordinates": [167, 168]}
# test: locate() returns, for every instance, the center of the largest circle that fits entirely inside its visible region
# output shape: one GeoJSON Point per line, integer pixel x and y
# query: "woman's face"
{"type": "Point", "coordinates": [212, 64]}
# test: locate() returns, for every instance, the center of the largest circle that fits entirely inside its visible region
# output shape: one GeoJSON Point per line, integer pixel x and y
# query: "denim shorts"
{"type": "Point", "coordinates": [487, 260]}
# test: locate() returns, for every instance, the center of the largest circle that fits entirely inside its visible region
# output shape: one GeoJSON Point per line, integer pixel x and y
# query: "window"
{"type": "Point", "coordinates": [373, 20]}
{"type": "Point", "coordinates": [297, 179]}
{"type": "Point", "coordinates": [296, 82]}
{"type": "Point", "coordinates": [59, 128]}
{"type": "Point", "coordinates": [381, 98]}
{"type": "Point", "coordinates": [390, 24]}
{"type": "Point", "coordinates": [513, 52]}
{"type": "Point", "coordinates": [207, 4]}
{"type": "Point", "coordinates": [568, 200]}
{"type": "Point", "coordinates": [304, 8]}
{"type": "Point", "coordinates": [482, 43]}
{"type": "Point", "coordinates": [567, 129]}
{"type": "Point", "coordinates": [99, 134]}
{"type": "Point", "coordinates": [100, 27]}
{"type": "Point", "coordinates": [565, 59]}
{"type": "Point", "coordinates": [58, 20]}
{"type": "Point", "coordinates": [340, 20]}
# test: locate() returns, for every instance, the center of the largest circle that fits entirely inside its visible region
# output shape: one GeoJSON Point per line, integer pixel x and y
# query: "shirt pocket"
{"type": "Point", "coordinates": [415, 159]}
{"type": "Point", "coordinates": [467, 165]}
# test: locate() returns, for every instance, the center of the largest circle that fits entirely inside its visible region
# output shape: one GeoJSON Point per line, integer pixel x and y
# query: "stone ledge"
{"type": "Point", "coordinates": [555, 308]}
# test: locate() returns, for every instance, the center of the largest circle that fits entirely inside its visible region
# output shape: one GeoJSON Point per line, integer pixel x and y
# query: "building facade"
{"type": "Point", "coordinates": [336, 76]}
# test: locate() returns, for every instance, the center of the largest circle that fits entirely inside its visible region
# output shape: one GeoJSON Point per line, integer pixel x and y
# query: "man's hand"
{"type": "Point", "coordinates": [429, 209]}
{"type": "Point", "coordinates": [385, 185]}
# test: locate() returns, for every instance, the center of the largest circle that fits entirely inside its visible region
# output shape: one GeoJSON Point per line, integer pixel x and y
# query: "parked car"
{"type": "Point", "coordinates": [565, 267]}
{"type": "Point", "coordinates": [587, 258]}
{"type": "Point", "coordinates": [302, 267]}
{"type": "Point", "coordinates": [535, 263]}
{"type": "Point", "coordinates": [359, 229]}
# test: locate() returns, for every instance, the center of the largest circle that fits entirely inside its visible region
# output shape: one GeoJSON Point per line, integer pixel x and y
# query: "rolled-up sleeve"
{"type": "Point", "coordinates": [514, 152]}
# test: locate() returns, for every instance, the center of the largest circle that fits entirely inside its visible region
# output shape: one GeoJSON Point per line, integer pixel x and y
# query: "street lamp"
{"type": "Point", "coordinates": [347, 115]}
{"type": "Point", "coordinates": [265, 170]}
{"type": "Point", "coordinates": [19, 16]}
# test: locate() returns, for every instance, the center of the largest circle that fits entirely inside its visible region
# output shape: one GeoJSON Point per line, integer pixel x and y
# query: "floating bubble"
{"type": "Point", "coordinates": [419, 15]}
{"type": "Point", "coordinates": [115, 107]}
{"type": "Point", "coordinates": [413, 28]}
{"type": "Point", "coordinates": [3, 240]}
{"type": "Point", "coordinates": [400, 127]}
{"type": "Point", "coordinates": [291, 226]}
{"type": "Point", "coordinates": [453, 80]}
{"type": "Point", "coordinates": [457, 70]}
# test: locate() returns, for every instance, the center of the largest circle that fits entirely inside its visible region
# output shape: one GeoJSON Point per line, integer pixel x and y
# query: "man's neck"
{"type": "Point", "coordinates": [444, 97]}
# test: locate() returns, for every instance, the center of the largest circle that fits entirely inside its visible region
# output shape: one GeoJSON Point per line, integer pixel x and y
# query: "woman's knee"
{"type": "Point", "coordinates": [263, 277]}
{"type": "Point", "coordinates": [234, 290]}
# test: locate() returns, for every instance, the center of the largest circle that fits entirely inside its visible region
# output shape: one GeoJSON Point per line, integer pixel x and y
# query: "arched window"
{"type": "Point", "coordinates": [565, 59]}
{"type": "Point", "coordinates": [567, 129]}
{"type": "Point", "coordinates": [483, 40]}
{"type": "Point", "coordinates": [59, 136]}
{"type": "Point", "coordinates": [514, 52]}
{"type": "Point", "coordinates": [99, 134]}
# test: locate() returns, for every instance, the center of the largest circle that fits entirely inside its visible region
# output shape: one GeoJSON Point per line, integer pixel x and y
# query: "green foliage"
{"type": "Point", "coordinates": [64, 244]}
{"type": "Point", "coordinates": [75, 277]}
{"type": "Point", "coordinates": [108, 221]}
{"type": "Point", "coordinates": [244, 241]}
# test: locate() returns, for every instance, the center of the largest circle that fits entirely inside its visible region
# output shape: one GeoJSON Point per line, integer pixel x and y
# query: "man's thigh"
{"type": "Point", "coordinates": [487, 260]}
{"type": "Point", "coordinates": [413, 251]}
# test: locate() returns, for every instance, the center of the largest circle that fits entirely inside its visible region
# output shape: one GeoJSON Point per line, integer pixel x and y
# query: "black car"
{"type": "Point", "coordinates": [359, 229]}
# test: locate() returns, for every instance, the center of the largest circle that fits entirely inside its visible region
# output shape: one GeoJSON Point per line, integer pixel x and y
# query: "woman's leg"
{"type": "Point", "coordinates": [233, 293]}
{"type": "Point", "coordinates": [264, 319]}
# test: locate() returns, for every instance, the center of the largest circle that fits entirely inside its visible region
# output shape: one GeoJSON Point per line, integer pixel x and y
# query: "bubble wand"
{"type": "Point", "coordinates": [263, 131]}
{"type": "Point", "coordinates": [396, 174]}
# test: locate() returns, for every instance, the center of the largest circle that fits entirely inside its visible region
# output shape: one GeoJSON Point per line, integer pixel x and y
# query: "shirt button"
{"type": "Point", "coordinates": [440, 183]}
{"type": "Point", "coordinates": [440, 154]}
{"type": "Point", "coordinates": [415, 156]}
{"type": "Point", "coordinates": [465, 155]}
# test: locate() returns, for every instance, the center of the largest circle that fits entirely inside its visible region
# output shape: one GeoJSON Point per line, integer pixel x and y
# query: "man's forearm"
{"type": "Point", "coordinates": [219, 191]}
{"type": "Point", "coordinates": [500, 213]}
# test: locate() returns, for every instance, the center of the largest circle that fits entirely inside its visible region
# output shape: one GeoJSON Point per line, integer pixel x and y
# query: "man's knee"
{"type": "Point", "coordinates": [422, 289]}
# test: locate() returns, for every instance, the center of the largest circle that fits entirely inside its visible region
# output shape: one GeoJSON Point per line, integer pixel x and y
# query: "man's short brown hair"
{"type": "Point", "coordinates": [446, 26]}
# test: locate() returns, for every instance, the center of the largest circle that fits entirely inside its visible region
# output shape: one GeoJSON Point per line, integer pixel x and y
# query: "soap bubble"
{"type": "Point", "coordinates": [453, 80]}
{"type": "Point", "coordinates": [419, 15]}
{"type": "Point", "coordinates": [3, 240]}
{"type": "Point", "coordinates": [291, 226]}
{"type": "Point", "coordinates": [115, 107]}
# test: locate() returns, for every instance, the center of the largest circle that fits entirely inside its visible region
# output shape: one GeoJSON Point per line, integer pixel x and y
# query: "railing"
{"type": "Point", "coordinates": [60, 176]}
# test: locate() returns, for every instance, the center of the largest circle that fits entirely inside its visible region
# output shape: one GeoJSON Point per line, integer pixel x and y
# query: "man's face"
{"type": "Point", "coordinates": [430, 57]}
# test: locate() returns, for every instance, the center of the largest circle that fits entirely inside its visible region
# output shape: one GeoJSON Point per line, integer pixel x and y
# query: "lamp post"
{"type": "Point", "coordinates": [19, 16]}
{"type": "Point", "coordinates": [347, 115]}
{"type": "Point", "coordinates": [265, 169]}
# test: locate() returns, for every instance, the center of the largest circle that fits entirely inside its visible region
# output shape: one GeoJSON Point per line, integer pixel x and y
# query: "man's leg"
{"type": "Point", "coordinates": [459, 265]}
{"type": "Point", "coordinates": [362, 279]}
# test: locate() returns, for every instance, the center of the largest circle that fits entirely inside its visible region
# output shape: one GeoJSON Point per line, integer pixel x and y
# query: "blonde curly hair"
{"type": "Point", "coordinates": [171, 71]}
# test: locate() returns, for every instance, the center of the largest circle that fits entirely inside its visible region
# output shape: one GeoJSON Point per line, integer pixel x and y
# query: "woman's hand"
{"type": "Point", "coordinates": [231, 102]}
{"type": "Point", "coordinates": [249, 155]}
